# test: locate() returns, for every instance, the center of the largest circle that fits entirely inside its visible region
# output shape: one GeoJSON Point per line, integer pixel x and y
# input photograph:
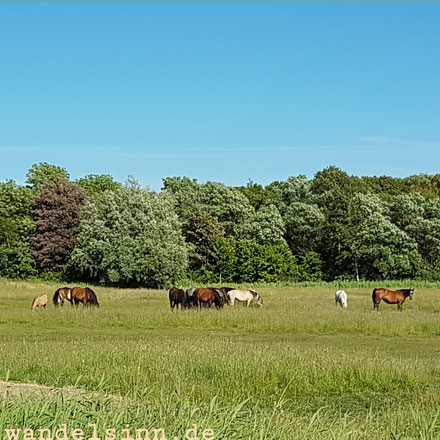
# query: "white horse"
{"type": "Point", "coordinates": [246, 296]}
{"type": "Point", "coordinates": [341, 298]}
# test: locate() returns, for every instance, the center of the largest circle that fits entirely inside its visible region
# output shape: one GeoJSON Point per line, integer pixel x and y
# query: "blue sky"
{"type": "Point", "coordinates": [219, 91]}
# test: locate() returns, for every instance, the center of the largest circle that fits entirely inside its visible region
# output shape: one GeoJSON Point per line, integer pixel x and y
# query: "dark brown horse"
{"type": "Point", "coordinates": [391, 297]}
{"type": "Point", "coordinates": [178, 296]}
{"type": "Point", "coordinates": [207, 296]}
{"type": "Point", "coordinates": [223, 292]}
{"type": "Point", "coordinates": [76, 295]}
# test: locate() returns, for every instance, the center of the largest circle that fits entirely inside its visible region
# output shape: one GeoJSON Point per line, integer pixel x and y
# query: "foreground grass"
{"type": "Point", "coordinates": [298, 368]}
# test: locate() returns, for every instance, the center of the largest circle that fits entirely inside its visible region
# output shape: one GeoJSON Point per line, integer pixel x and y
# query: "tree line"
{"type": "Point", "coordinates": [333, 226]}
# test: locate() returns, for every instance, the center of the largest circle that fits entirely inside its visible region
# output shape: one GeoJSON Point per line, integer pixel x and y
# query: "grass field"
{"type": "Point", "coordinates": [299, 368]}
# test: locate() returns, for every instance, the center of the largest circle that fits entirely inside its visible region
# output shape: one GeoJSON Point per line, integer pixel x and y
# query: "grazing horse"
{"type": "Point", "coordinates": [39, 301]}
{"type": "Point", "coordinates": [189, 294]}
{"type": "Point", "coordinates": [391, 297]}
{"type": "Point", "coordinates": [341, 298]}
{"type": "Point", "coordinates": [75, 296]}
{"type": "Point", "coordinates": [207, 296]}
{"type": "Point", "coordinates": [223, 292]}
{"type": "Point", "coordinates": [246, 296]}
{"type": "Point", "coordinates": [85, 296]}
{"type": "Point", "coordinates": [62, 294]}
{"type": "Point", "coordinates": [177, 296]}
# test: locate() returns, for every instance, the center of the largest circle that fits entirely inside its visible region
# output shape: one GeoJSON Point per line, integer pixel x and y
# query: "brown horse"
{"type": "Point", "coordinates": [207, 296]}
{"type": "Point", "coordinates": [391, 297]}
{"type": "Point", "coordinates": [75, 296]}
{"type": "Point", "coordinates": [223, 292]}
{"type": "Point", "coordinates": [85, 296]}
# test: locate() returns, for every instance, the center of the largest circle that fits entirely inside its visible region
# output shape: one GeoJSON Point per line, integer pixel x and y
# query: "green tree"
{"type": "Point", "coordinates": [43, 173]}
{"type": "Point", "coordinates": [256, 194]}
{"type": "Point", "coordinates": [130, 236]}
{"type": "Point", "coordinates": [304, 223]}
{"type": "Point", "coordinates": [379, 249]}
{"type": "Point", "coordinates": [16, 226]}
{"type": "Point", "coordinates": [247, 261]}
{"type": "Point", "coordinates": [201, 232]}
{"type": "Point", "coordinates": [264, 227]}
{"type": "Point", "coordinates": [96, 184]}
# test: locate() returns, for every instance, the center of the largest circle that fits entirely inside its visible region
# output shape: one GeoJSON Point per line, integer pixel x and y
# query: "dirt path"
{"type": "Point", "coordinates": [26, 390]}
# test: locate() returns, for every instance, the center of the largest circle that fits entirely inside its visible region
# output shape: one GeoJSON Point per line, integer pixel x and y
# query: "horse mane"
{"type": "Point", "coordinates": [406, 292]}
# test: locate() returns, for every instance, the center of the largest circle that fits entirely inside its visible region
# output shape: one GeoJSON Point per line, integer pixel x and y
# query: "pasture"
{"type": "Point", "coordinates": [298, 368]}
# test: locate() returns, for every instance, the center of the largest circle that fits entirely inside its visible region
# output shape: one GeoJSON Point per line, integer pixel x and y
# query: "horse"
{"type": "Point", "coordinates": [62, 294]}
{"type": "Point", "coordinates": [223, 292]}
{"type": "Point", "coordinates": [391, 297]}
{"type": "Point", "coordinates": [85, 296]}
{"type": "Point", "coordinates": [246, 296]}
{"type": "Point", "coordinates": [39, 301]}
{"type": "Point", "coordinates": [341, 298]}
{"type": "Point", "coordinates": [189, 294]}
{"type": "Point", "coordinates": [177, 296]}
{"type": "Point", "coordinates": [75, 296]}
{"type": "Point", "coordinates": [207, 296]}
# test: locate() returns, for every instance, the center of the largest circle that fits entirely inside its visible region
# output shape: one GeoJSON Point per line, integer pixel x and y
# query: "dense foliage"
{"type": "Point", "coordinates": [56, 209]}
{"type": "Point", "coordinates": [130, 236]}
{"type": "Point", "coordinates": [333, 226]}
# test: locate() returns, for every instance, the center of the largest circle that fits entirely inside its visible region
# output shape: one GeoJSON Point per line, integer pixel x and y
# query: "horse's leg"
{"type": "Point", "coordinates": [248, 302]}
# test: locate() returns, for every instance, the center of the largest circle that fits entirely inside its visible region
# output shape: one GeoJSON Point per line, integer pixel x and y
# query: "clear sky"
{"type": "Point", "coordinates": [219, 91]}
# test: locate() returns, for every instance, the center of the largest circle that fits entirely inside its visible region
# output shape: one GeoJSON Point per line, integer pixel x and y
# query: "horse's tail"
{"type": "Point", "coordinates": [374, 296]}
{"type": "Point", "coordinates": [56, 297]}
{"type": "Point", "coordinates": [33, 302]}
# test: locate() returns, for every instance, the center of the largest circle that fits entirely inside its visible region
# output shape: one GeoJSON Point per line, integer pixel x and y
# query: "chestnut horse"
{"type": "Point", "coordinates": [207, 296]}
{"type": "Point", "coordinates": [391, 297]}
{"type": "Point", "coordinates": [84, 295]}
{"type": "Point", "coordinates": [76, 295]}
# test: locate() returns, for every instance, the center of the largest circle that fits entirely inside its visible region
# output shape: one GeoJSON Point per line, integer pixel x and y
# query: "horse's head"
{"type": "Point", "coordinates": [411, 293]}
{"type": "Point", "coordinates": [257, 298]}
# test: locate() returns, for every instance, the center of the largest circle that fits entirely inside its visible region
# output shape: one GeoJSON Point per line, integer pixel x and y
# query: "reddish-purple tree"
{"type": "Point", "coordinates": [56, 210]}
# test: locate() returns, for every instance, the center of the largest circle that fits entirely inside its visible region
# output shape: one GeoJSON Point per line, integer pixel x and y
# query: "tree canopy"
{"type": "Point", "coordinates": [332, 226]}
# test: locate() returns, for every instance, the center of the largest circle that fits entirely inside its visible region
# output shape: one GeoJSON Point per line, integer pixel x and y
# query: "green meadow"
{"type": "Point", "coordinates": [299, 368]}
